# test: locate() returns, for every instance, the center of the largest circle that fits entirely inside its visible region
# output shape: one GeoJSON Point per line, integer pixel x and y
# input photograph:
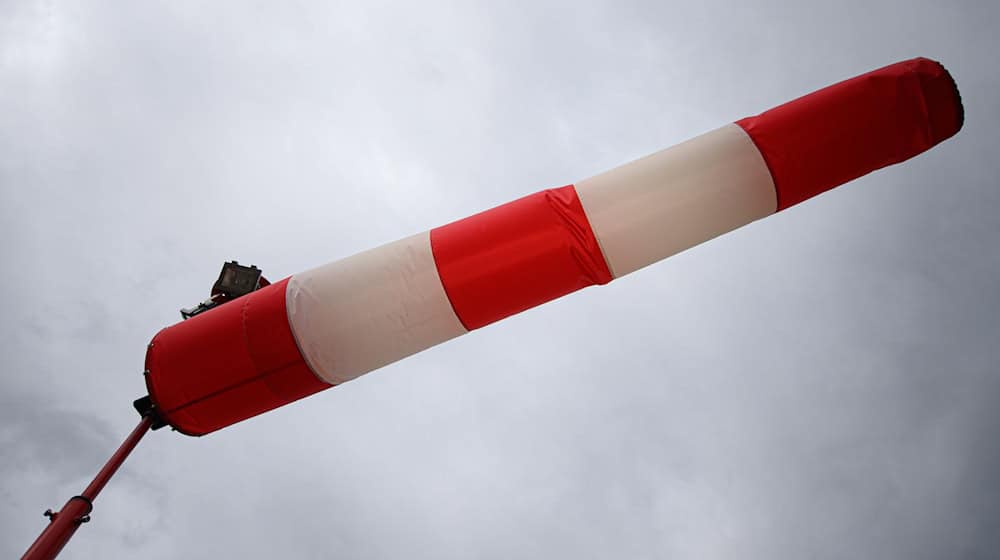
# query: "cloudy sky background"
{"type": "Point", "coordinates": [821, 384]}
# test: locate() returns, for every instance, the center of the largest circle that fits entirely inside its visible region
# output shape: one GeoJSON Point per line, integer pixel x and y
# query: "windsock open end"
{"type": "Point", "coordinates": [228, 364]}
{"type": "Point", "coordinates": [846, 130]}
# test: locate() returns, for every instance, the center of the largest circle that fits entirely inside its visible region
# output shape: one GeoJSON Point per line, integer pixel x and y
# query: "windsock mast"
{"type": "Point", "coordinates": [64, 523]}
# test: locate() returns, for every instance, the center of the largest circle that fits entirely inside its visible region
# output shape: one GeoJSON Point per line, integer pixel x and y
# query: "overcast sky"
{"type": "Point", "coordinates": [821, 384]}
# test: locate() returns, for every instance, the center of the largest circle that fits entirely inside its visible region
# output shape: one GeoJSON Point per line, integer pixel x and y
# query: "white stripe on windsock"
{"type": "Point", "coordinates": [654, 207]}
{"type": "Point", "coordinates": [371, 309]}
{"type": "Point", "coordinates": [360, 313]}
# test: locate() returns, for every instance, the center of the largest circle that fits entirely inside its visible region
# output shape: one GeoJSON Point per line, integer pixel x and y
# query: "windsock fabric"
{"type": "Point", "coordinates": [334, 323]}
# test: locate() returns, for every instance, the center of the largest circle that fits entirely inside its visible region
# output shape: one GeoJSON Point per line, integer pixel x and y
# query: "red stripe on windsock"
{"type": "Point", "coordinates": [852, 128]}
{"type": "Point", "coordinates": [516, 256]}
{"type": "Point", "coordinates": [228, 364]}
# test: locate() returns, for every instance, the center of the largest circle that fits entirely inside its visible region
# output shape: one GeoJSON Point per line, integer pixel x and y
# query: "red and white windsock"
{"type": "Point", "coordinates": [331, 324]}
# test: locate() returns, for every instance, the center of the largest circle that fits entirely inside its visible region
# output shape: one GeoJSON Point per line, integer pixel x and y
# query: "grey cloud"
{"type": "Point", "coordinates": [820, 384]}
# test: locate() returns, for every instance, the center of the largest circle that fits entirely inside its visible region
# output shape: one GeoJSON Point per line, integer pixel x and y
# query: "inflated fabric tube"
{"type": "Point", "coordinates": [331, 324]}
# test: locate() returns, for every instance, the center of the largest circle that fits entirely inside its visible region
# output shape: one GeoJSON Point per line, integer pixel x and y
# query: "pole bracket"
{"type": "Point", "coordinates": [145, 407]}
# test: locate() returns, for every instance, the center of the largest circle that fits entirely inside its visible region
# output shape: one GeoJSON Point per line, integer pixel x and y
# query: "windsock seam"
{"type": "Point", "coordinates": [517, 256]}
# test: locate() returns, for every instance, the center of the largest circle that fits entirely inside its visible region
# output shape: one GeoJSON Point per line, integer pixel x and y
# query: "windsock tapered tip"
{"type": "Point", "coordinates": [841, 132]}
{"type": "Point", "coordinates": [945, 113]}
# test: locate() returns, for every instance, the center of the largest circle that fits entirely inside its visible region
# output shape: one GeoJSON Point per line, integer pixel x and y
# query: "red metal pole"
{"type": "Point", "coordinates": [63, 523]}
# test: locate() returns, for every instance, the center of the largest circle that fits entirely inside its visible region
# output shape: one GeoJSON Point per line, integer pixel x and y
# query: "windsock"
{"type": "Point", "coordinates": [328, 325]}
